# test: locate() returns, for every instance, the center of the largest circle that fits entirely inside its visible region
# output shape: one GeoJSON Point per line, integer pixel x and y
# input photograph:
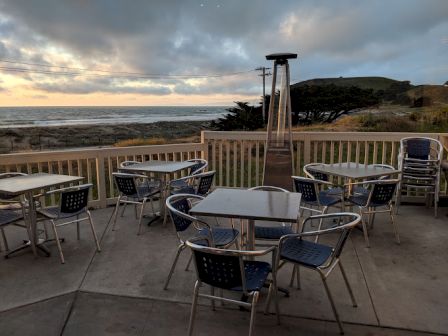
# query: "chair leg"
{"type": "Point", "coordinates": [349, 288]}
{"type": "Point", "coordinates": [5, 241]}
{"type": "Point", "coordinates": [97, 243]}
{"type": "Point", "coordinates": [115, 214]}
{"type": "Point", "coordinates": [140, 217]}
{"type": "Point", "coordinates": [173, 266]}
{"type": "Point", "coordinates": [436, 202]}
{"type": "Point", "coordinates": [124, 208]}
{"type": "Point", "coordinates": [193, 308]}
{"type": "Point", "coordinates": [394, 224]}
{"type": "Point", "coordinates": [78, 231]}
{"type": "Point", "coordinates": [253, 312]}
{"type": "Point", "coordinates": [212, 293]}
{"type": "Point", "coordinates": [58, 242]}
{"type": "Point", "coordinates": [364, 229]}
{"type": "Point", "coordinates": [189, 262]}
{"type": "Point", "coordinates": [333, 306]}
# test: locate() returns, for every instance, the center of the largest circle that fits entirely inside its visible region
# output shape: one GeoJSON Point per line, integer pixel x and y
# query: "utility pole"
{"type": "Point", "coordinates": [264, 74]}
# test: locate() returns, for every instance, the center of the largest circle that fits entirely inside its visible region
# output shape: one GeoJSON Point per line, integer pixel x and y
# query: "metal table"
{"type": "Point", "coordinates": [26, 185]}
{"type": "Point", "coordinates": [251, 205]}
{"type": "Point", "coordinates": [164, 169]}
{"type": "Point", "coordinates": [354, 171]}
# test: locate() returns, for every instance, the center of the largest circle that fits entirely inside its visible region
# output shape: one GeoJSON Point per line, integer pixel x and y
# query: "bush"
{"type": "Point", "coordinates": [243, 117]}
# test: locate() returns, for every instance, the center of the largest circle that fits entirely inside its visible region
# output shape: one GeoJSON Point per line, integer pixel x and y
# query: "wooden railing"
{"type": "Point", "coordinates": [237, 157]}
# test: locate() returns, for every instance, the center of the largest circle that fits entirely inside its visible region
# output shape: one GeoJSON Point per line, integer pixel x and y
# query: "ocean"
{"type": "Point", "coordinates": [11, 117]}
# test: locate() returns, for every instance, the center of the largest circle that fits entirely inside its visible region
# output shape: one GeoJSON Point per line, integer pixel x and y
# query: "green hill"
{"type": "Point", "coordinates": [437, 93]}
{"type": "Point", "coordinates": [375, 83]}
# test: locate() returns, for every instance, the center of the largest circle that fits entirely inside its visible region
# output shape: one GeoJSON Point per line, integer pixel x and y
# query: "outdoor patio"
{"type": "Point", "coordinates": [400, 289]}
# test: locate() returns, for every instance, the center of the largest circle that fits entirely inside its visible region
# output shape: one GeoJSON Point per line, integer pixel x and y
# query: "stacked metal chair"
{"type": "Point", "coordinates": [419, 161]}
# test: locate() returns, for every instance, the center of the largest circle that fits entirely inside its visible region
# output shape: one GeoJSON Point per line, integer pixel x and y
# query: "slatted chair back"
{"type": "Point", "coordinates": [126, 184]}
{"type": "Point", "coordinates": [382, 192]}
{"type": "Point", "coordinates": [308, 188]}
{"type": "Point", "coordinates": [178, 206]}
{"type": "Point", "coordinates": [418, 148]}
{"type": "Point", "coordinates": [309, 172]}
{"type": "Point", "coordinates": [205, 183]}
{"type": "Point", "coordinates": [218, 267]}
{"type": "Point", "coordinates": [199, 166]}
{"type": "Point", "coordinates": [74, 199]}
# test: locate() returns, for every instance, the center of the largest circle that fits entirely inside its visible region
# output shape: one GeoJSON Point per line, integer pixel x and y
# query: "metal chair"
{"type": "Point", "coordinates": [72, 203]}
{"type": "Point", "coordinates": [419, 161]}
{"type": "Point", "coordinates": [381, 194]}
{"type": "Point", "coordinates": [314, 199]}
{"type": "Point", "coordinates": [227, 270]}
{"type": "Point", "coordinates": [199, 184]}
{"type": "Point", "coordinates": [199, 167]}
{"type": "Point", "coordinates": [364, 189]}
{"type": "Point", "coordinates": [317, 175]}
{"type": "Point", "coordinates": [323, 258]}
{"type": "Point", "coordinates": [10, 209]}
{"type": "Point", "coordinates": [125, 164]}
{"type": "Point", "coordinates": [135, 189]}
{"type": "Point", "coordinates": [178, 206]}
{"type": "Point", "coordinates": [271, 232]}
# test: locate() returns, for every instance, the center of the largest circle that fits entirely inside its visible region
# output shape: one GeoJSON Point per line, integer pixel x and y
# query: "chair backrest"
{"type": "Point", "coordinates": [126, 183]}
{"type": "Point", "coordinates": [421, 148]}
{"type": "Point", "coordinates": [178, 206]}
{"type": "Point", "coordinates": [309, 172]}
{"type": "Point", "coordinates": [204, 183]}
{"type": "Point", "coordinates": [125, 164]}
{"type": "Point", "coordinates": [384, 166]}
{"type": "Point", "coordinates": [269, 188]}
{"type": "Point", "coordinates": [382, 192]}
{"type": "Point", "coordinates": [307, 187]}
{"type": "Point", "coordinates": [219, 267]}
{"type": "Point", "coordinates": [74, 199]}
{"type": "Point", "coordinates": [4, 196]}
{"type": "Point", "coordinates": [341, 223]}
{"type": "Point", "coordinates": [199, 166]}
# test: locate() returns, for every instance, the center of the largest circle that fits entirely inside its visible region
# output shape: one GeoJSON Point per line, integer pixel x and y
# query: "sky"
{"type": "Point", "coordinates": [205, 52]}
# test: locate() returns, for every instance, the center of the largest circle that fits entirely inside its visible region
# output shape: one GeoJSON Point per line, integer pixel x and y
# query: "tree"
{"type": "Point", "coordinates": [326, 103]}
{"type": "Point", "coordinates": [241, 117]}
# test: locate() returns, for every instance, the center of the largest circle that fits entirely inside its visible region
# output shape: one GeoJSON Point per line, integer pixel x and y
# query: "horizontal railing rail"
{"type": "Point", "coordinates": [237, 157]}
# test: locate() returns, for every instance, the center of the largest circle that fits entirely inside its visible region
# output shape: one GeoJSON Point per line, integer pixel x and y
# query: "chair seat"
{"type": "Point", "coordinates": [360, 190]}
{"type": "Point", "coordinates": [326, 199]}
{"type": "Point", "coordinates": [272, 232]}
{"type": "Point", "coordinates": [145, 192]}
{"type": "Point", "coordinates": [9, 216]}
{"type": "Point", "coordinates": [178, 184]}
{"type": "Point", "coordinates": [55, 213]}
{"type": "Point", "coordinates": [305, 252]}
{"type": "Point", "coordinates": [256, 273]}
{"type": "Point", "coordinates": [185, 190]}
{"type": "Point", "coordinates": [221, 236]}
{"type": "Point", "coordinates": [336, 191]}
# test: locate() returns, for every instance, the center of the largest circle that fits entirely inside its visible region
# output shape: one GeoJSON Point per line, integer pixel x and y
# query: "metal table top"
{"type": "Point", "coordinates": [353, 170]}
{"type": "Point", "coordinates": [21, 184]}
{"type": "Point", "coordinates": [250, 204]}
{"type": "Point", "coordinates": [156, 166]}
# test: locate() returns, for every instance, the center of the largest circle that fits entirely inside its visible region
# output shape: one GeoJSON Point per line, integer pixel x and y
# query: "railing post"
{"type": "Point", "coordinates": [204, 142]}
{"type": "Point", "coordinates": [306, 150]}
{"type": "Point", "coordinates": [101, 180]}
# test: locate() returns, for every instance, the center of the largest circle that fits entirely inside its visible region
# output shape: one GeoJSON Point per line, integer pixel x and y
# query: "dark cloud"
{"type": "Point", "coordinates": [399, 39]}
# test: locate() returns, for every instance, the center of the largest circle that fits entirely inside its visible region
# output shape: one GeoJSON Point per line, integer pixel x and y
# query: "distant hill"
{"type": "Point", "coordinates": [375, 83]}
{"type": "Point", "coordinates": [437, 93]}
{"type": "Point", "coordinates": [391, 90]}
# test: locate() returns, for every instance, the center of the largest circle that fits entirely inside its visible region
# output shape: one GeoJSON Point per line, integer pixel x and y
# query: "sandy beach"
{"type": "Point", "coordinates": [58, 137]}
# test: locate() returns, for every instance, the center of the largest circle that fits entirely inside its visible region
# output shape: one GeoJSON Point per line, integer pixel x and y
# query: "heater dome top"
{"type": "Point", "coordinates": [280, 56]}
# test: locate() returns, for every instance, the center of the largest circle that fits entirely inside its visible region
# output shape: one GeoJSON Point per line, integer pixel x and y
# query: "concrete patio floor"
{"type": "Point", "coordinates": [400, 289]}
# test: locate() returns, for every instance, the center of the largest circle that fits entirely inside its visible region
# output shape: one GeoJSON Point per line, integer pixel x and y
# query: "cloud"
{"type": "Point", "coordinates": [400, 39]}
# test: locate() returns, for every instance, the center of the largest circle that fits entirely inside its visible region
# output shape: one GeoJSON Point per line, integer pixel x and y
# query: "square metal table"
{"type": "Point", "coordinates": [164, 169]}
{"type": "Point", "coordinates": [251, 205]}
{"type": "Point", "coordinates": [353, 170]}
{"type": "Point", "coordinates": [26, 185]}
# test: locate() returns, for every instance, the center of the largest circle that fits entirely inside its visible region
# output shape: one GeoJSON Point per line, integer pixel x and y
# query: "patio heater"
{"type": "Point", "coordinates": [278, 162]}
